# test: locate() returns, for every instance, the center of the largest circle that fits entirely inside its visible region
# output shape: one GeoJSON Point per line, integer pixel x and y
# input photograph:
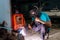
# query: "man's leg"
{"type": "Point", "coordinates": [41, 29]}
{"type": "Point", "coordinates": [47, 31]}
{"type": "Point", "coordinates": [20, 37]}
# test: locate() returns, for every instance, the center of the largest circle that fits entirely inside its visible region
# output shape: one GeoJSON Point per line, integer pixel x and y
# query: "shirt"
{"type": "Point", "coordinates": [43, 16]}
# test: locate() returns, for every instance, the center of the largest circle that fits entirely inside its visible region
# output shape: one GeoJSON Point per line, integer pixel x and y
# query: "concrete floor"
{"type": "Point", "coordinates": [54, 35]}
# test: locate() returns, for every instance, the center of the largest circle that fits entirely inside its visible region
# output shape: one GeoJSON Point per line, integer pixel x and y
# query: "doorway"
{"type": "Point", "coordinates": [22, 6]}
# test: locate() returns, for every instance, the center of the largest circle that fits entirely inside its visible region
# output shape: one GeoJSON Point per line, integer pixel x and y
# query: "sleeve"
{"type": "Point", "coordinates": [32, 19]}
{"type": "Point", "coordinates": [47, 17]}
{"type": "Point", "coordinates": [44, 17]}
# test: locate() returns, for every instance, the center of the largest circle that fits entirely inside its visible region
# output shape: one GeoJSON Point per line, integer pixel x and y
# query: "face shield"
{"type": "Point", "coordinates": [32, 13]}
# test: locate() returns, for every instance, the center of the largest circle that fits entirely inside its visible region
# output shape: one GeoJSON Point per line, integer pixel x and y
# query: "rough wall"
{"type": "Point", "coordinates": [5, 12]}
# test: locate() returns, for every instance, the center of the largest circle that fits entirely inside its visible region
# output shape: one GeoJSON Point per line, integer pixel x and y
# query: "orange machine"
{"type": "Point", "coordinates": [17, 21]}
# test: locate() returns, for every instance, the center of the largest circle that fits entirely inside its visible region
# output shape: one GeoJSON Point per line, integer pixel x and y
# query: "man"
{"type": "Point", "coordinates": [19, 26]}
{"type": "Point", "coordinates": [43, 19]}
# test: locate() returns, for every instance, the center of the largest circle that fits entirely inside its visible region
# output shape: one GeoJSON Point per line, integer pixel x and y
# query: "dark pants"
{"type": "Point", "coordinates": [47, 31]}
{"type": "Point", "coordinates": [20, 37]}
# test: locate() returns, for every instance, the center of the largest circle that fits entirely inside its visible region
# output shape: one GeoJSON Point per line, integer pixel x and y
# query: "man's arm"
{"type": "Point", "coordinates": [49, 24]}
{"type": "Point", "coordinates": [38, 20]}
{"type": "Point", "coordinates": [45, 23]}
{"type": "Point", "coordinates": [48, 21]}
{"type": "Point", "coordinates": [29, 26]}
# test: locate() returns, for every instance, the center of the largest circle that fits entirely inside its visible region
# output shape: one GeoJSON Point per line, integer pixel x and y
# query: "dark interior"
{"type": "Point", "coordinates": [23, 6]}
